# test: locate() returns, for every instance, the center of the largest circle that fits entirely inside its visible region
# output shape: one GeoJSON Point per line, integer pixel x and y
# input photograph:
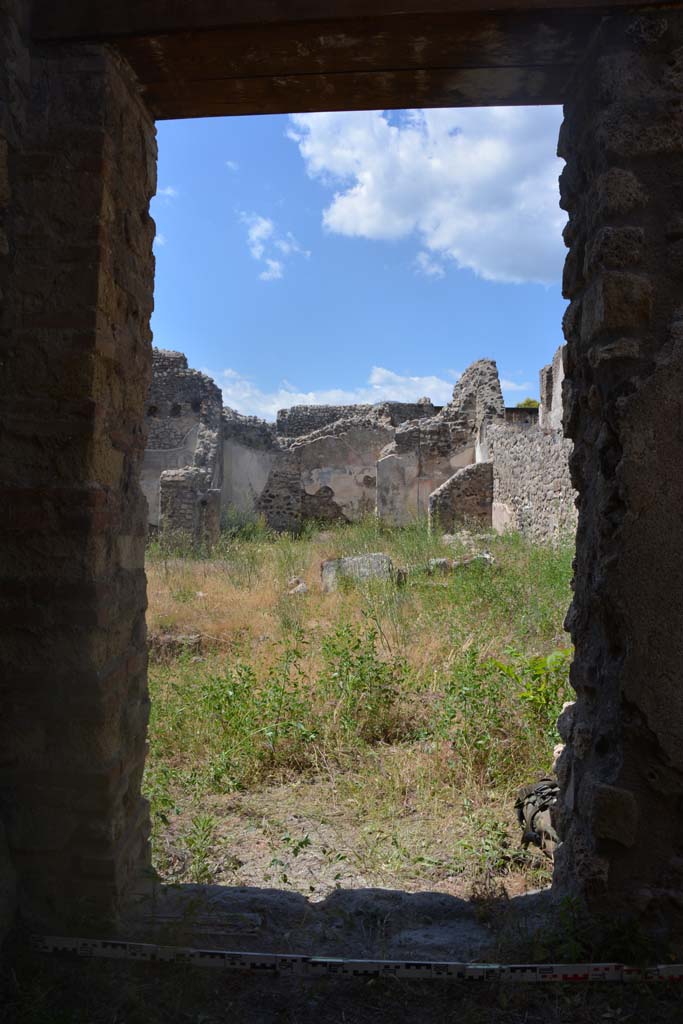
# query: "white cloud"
{"type": "Point", "coordinates": [274, 272]}
{"type": "Point", "coordinates": [168, 192]}
{"type": "Point", "coordinates": [159, 239]}
{"type": "Point", "coordinates": [428, 266]}
{"type": "Point", "coordinates": [232, 165]}
{"type": "Point", "coordinates": [511, 385]}
{"type": "Point", "coordinates": [265, 244]}
{"type": "Point", "coordinates": [382, 385]}
{"type": "Point", "coordinates": [476, 186]}
{"type": "Point", "coordinates": [259, 231]}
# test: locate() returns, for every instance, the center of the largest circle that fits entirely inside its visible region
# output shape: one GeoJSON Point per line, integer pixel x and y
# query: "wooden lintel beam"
{"type": "Point", "coordinates": [463, 87]}
{"type": "Point", "coordinates": [106, 19]}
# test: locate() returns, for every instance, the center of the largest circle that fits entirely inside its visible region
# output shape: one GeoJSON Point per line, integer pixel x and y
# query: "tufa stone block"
{"type": "Point", "coordinates": [618, 191]}
{"type": "Point", "coordinates": [615, 249]}
{"type": "Point", "coordinates": [616, 302]}
{"type": "Point", "coordinates": [615, 814]}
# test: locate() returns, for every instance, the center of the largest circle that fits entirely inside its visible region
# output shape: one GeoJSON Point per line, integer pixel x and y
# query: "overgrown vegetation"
{"type": "Point", "coordinates": [379, 732]}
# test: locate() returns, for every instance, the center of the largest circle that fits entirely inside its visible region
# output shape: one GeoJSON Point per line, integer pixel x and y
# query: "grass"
{"type": "Point", "coordinates": [379, 731]}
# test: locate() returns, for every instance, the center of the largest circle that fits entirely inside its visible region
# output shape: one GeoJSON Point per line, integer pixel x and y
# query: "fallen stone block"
{"type": "Point", "coordinates": [356, 567]}
{"type": "Point", "coordinates": [448, 565]}
{"type": "Point", "coordinates": [440, 565]}
{"type": "Point", "coordinates": [297, 586]}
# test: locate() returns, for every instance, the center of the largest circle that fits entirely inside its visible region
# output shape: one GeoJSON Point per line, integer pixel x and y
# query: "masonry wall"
{"type": "Point", "coordinates": [77, 170]}
{"type": "Point", "coordinates": [532, 487]}
{"type": "Point", "coordinates": [300, 420]}
{"type": "Point", "coordinates": [465, 499]}
{"type": "Point", "coordinates": [551, 377]}
{"type": "Point", "coordinates": [183, 416]}
{"type": "Point", "coordinates": [426, 452]}
{"type": "Point", "coordinates": [622, 771]}
{"type": "Point", "coordinates": [250, 453]}
{"type": "Point", "coordinates": [329, 475]}
{"type": "Point", "coordinates": [174, 403]}
{"type": "Point", "coordinates": [338, 472]}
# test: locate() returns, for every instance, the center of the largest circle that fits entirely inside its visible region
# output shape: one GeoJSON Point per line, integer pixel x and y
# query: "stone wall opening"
{"type": "Point", "coordinates": [77, 170]}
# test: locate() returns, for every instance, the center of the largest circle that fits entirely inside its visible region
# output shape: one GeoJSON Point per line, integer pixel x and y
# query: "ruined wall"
{"type": "Point", "coordinates": [300, 420]}
{"type": "Point", "coordinates": [175, 398]}
{"type": "Point", "coordinates": [77, 170]}
{"type": "Point", "coordinates": [622, 771]}
{"type": "Point", "coordinates": [329, 475]}
{"type": "Point", "coordinates": [250, 451]}
{"type": "Point", "coordinates": [280, 501]}
{"type": "Point", "coordinates": [183, 416]}
{"type": "Point", "coordinates": [304, 419]}
{"type": "Point", "coordinates": [551, 377]}
{"type": "Point", "coordinates": [350, 467]}
{"type": "Point", "coordinates": [532, 487]}
{"type": "Point", "coordinates": [340, 471]}
{"type": "Point", "coordinates": [426, 453]}
{"type": "Point", "coordinates": [465, 499]}
{"type": "Point", "coordinates": [477, 396]}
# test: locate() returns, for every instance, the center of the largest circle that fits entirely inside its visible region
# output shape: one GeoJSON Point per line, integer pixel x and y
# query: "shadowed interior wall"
{"type": "Point", "coordinates": [622, 773]}
{"type": "Point", "coordinates": [81, 165]}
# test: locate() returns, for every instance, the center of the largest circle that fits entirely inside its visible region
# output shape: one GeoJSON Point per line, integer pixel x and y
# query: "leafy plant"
{"type": "Point", "coordinates": [362, 687]}
{"type": "Point", "coordinates": [543, 682]}
{"type": "Point", "coordinates": [199, 842]}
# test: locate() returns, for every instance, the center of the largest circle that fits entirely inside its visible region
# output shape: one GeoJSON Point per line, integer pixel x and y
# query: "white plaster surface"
{"type": "Point", "coordinates": [245, 474]}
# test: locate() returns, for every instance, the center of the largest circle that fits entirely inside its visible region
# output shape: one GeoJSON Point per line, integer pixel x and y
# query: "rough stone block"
{"type": "Point", "coordinates": [615, 249]}
{"type": "Point", "coordinates": [615, 814]}
{"type": "Point", "coordinates": [616, 302]}
{"type": "Point", "coordinates": [376, 566]}
{"type": "Point", "coordinates": [624, 134]}
{"type": "Point", "coordinates": [618, 191]}
{"type": "Point", "coordinates": [623, 348]}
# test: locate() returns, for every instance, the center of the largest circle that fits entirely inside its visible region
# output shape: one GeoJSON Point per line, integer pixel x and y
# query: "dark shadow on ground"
{"type": "Point", "coordinates": [360, 923]}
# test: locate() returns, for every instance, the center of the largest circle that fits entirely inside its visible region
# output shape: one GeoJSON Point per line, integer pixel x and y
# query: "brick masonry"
{"type": "Point", "coordinates": [77, 170]}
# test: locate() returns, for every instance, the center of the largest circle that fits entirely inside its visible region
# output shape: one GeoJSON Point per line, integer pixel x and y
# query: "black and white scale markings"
{"type": "Point", "coordinates": [323, 966]}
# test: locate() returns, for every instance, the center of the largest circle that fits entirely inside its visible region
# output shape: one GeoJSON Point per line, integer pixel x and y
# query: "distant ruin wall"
{"type": "Point", "coordinates": [532, 488]}
{"type": "Point", "coordinates": [392, 458]}
{"type": "Point", "coordinates": [339, 472]}
{"type": "Point", "coordinates": [465, 499]}
{"type": "Point", "coordinates": [551, 377]}
{"type": "Point", "coordinates": [188, 504]}
{"type": "Point", "coordinates": [182, 471]}
{"type": "Point", "coordinates": [174, 401]}
{"type": "Point", "coordinates": [329, 476]}
{"type": "Point", "coordinates": [304, 419]}
{"type": "Point", "coordinates": [300, 420]}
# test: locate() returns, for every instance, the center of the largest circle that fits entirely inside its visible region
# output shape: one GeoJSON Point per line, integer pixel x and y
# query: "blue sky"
{"type": "Point", "coordinates": [359, 256]}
